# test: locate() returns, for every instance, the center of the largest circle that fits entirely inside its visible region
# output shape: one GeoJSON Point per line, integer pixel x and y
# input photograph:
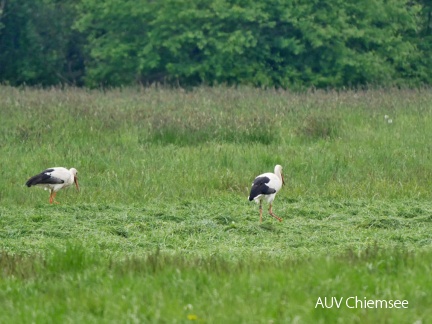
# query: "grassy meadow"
{"type": "Point", "coordinates": [162, 231]}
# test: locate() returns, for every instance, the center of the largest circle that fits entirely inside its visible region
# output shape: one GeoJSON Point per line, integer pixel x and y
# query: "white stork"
{"type": "Point", "coordinates": [54, 179]}
{"type": "Point", "coordinates": [265, 187]}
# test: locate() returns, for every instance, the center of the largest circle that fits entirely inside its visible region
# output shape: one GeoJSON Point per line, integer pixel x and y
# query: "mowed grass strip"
{"type": "Point", "coordinates": [225, 226]}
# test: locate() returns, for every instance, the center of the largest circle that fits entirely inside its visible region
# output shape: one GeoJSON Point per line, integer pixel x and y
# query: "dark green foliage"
{"type": "Point", "coordinates": [272, 43]}
{"type": "Point", "coordinates": [38, 44]}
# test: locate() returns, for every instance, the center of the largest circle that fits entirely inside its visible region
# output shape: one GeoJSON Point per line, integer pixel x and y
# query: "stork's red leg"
{"type": "Point", "coordinates": [54, 194]}
{"type": "Point", "coordinates": [51, 198]}
{"type": "Point", "coordinates": [272, 214]}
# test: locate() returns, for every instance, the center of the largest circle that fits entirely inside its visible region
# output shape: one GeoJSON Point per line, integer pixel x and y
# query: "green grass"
{"type": "Point", "coordinates": [135, 145]}
{"type": "Point", "coordinates": [162, 230]}
{"type": "Point", "coordinates": [75, 285]}
{"type": "Point", "coordinates": [226, 227]}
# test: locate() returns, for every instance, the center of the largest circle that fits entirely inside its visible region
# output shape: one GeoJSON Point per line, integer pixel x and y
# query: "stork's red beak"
{"type": "Point", "coordinates": [76, 183]}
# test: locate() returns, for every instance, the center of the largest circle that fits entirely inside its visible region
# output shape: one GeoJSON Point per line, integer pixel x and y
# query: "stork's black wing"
{"type": "Point", "coordinates": [43, 178]}
{"type": "Point", "coordinates": [260, 187]}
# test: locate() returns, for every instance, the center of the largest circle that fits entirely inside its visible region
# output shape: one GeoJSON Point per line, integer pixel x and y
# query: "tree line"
{"type": "Point", "coordinates": [266, 43]}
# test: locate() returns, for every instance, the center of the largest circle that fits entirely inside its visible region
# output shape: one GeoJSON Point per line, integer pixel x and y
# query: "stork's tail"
{"type": "Point", "coordinates": [254, 197]}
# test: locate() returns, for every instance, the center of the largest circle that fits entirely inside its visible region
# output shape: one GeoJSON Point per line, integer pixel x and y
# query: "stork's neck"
{"type": "Point", "coordinates": [278, 173]}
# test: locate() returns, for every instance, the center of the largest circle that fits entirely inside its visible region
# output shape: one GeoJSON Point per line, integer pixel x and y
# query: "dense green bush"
{"type": "Point", "coordinates": [273, 43]}
{"type": "Point", "coordinates": [38, 44]}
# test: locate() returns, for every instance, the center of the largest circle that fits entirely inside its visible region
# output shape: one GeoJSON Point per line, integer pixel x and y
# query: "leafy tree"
{"type": "Point", "coordinates": [272, 43]}
{"type": "Point", "coordinates": [2, 4]}
{"type": "Point", "coordinates": [421, 64]}
{"type": "Point", "coordinates": [38, 45]}
{"type": "Point", "coordinates": [329, 43]}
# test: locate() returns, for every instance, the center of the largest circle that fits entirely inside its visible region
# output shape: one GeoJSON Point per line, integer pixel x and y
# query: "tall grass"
{"type": "Point", "coordinates": [137, 144]}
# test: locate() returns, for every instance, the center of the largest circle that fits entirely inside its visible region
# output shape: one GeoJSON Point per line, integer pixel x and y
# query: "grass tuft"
{"type": "Point", "coordinates": [383, 223]}
{"type": "Point", "coordinates": [320, 126]}
{"type": "Point", "coordinates": [194, 128]}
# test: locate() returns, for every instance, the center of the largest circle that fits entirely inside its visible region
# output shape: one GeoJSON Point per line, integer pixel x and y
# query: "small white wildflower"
{"type": "Point", "coordinates": [390, 121]}
{"type": "Point", "coordinates": [386, 117]}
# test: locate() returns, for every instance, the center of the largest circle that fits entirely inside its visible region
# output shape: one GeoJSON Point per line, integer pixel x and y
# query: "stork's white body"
{"type": "Point", "coordinates": [275, 183]}
{"type": "Point", "coordinates": [64, 174]}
